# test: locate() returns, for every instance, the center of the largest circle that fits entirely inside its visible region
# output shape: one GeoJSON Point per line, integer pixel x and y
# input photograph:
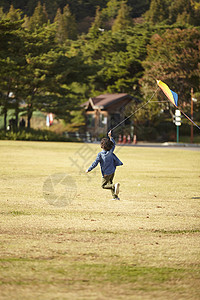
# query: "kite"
{"type": "Point", "coordinates": [173, 97]}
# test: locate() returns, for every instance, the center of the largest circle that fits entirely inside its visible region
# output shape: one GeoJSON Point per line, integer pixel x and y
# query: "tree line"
{"type": "Point", "coordinates": [50, 64]}
{"type": "Point", "coordinates": [81, 9]}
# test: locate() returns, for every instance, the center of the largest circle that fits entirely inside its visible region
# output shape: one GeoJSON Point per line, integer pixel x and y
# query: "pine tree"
{"type": "Point", "coordinates": [69, 23]}
{"type": "Point", "coordinates": [182, 11]}
{"type": "Point", "coordinates": [123, 20]}
{"type": "Point", "coordinates": [58, 20]}
{"type": "Point", "coordinates": [111, 9]}
{"type": "Point", "coordinates": [2, 15]}
{"type": "Point", "coordinates": [66, 27]}
{"type": "Point", "coordinates": [96, 27]}
{"type": "Point", "coordinates": [14, 14]}
{"type": "Point", "coordinates": [197, 14]}
{"type": "Point", "coordinates": [158, 12]}
{"type": "Point", "coordinates": [39, 17]}
{"type": "Point", "coordinates": [26, 22]}
{"type": "Point", "coordinates": [58, 16]}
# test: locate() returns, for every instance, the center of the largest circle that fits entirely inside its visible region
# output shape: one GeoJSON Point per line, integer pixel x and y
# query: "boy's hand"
{"type": "Point", "coordinates": [109, 134]}
{"type": "Point", "coordinates": [86, 171]}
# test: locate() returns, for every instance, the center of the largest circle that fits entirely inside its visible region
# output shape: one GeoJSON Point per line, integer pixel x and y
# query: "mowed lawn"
{"type": "Point", "coordinates": [81, 245]}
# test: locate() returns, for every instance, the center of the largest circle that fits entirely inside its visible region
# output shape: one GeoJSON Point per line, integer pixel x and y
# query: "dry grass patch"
{"type": "Point", "coordinates": [145, 246]}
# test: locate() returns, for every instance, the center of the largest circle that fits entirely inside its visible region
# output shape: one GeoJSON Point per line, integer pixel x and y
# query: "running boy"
{"type": "Point", "coordinates": [108, 162]}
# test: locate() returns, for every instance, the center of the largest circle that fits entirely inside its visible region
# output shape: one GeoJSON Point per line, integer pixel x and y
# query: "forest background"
{"type": "Point", "coordinates": [56, 54]}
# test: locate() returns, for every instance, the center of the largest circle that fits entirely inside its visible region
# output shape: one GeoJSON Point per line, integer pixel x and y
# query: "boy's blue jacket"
{"type": "Point", "coordinates": [108, 161]}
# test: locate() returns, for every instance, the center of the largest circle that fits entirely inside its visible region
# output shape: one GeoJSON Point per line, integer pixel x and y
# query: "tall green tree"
{"type": "Point", "coordinates": [182, 11]}
{"type": "Point", "coordinates": [173, 11]}
{"type": "Point", "coordinates": [158, 11]}
{"type": "Point", "coordinates": [35, 70]}
{"type": "Point", "coordinates": [69, 23]}
{"type": "Point", "coordinates": [60, 30]}
{"type": "Point", "coordinates": [123, 19]}
{"type": "Point", "coordinates": [14, 14]}
{"type": "Point", "coordinates": [50, 74]}
{"type": "Point", "coordinates": [38, 84]}
{"type": "Point", "coordinates": [97, 25]}
{"type": "Point", "coordinates": [2, 14]}
{"type": "Point", "coordinates": [12, 65]}
{"type": "Point", "coordinates": [111, 9]}
{"type": "Point", "coordinates": [66, 27]}
{"type": "Point", "coordinates": [39, 17]}
{"type": "Point", "coordinates": [197, 13]}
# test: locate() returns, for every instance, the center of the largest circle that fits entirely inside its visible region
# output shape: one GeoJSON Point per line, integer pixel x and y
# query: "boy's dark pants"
{"type": "Point", "coordinates": [107, 183]}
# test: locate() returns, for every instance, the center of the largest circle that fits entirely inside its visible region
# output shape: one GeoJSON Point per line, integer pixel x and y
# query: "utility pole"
{"type": "Point", "coordinates": [191, 135]}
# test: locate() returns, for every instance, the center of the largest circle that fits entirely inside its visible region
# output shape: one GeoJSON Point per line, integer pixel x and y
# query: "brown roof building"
{"type": "Point", "coordinates": [104, 112]}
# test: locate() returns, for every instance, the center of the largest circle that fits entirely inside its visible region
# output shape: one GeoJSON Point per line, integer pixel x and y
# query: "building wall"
{"type": "Point", "coordinates": [96, 122]}
{"type": "Point", "coordinates": [99, 122]}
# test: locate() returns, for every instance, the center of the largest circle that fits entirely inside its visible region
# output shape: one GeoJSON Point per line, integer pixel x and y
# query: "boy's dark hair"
{"type": "Point", "coordinates": [106, 144]}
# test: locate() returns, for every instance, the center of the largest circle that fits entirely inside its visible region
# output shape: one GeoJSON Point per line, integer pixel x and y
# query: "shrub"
{"type": "Point", "coordinates": [34, 135]}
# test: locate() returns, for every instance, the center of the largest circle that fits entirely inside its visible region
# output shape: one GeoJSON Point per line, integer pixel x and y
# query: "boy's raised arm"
{"type": "Point", "coordinates": [112, 140]}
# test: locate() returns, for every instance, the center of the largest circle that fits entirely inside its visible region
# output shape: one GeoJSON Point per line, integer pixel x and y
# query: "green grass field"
{"type": "Point", "coordinates": [81, 245]}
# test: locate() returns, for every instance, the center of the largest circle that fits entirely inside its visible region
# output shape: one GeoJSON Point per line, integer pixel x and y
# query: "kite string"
{"type": "Point", "coordinates": [189, 118]}
{"type": "Point", "coordinates": [135, 111]}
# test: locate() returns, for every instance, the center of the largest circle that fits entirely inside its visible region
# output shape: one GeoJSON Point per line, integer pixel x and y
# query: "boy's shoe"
{"type": "Point", "coordinates": [117, 189]}
{"type": "Point", "coordinates": [115, 198]}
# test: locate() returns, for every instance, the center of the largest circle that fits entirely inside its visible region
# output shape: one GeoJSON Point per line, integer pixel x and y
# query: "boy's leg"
{"type": "Point", "coordinates": [113, 189]}
{"type": "Point", "coordinates": [107, 183]}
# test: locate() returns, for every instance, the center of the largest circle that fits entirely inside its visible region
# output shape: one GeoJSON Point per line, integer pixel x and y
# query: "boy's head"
{"type": "Point", "coordinates": [106, 144]}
